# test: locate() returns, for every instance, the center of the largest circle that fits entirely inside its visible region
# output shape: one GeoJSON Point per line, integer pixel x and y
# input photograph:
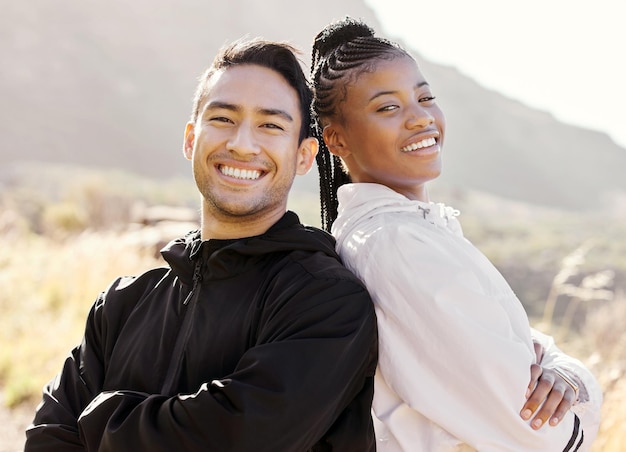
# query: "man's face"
{"type": "Point", "coordinates": [244, 144]}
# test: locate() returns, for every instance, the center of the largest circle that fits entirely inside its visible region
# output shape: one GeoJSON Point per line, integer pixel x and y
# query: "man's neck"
{"type": "Point", "coordinates": [225, 227]}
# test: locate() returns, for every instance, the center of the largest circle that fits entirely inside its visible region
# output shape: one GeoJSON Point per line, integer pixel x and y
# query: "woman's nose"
{"type": "Point", "coordinates": [419, 117]}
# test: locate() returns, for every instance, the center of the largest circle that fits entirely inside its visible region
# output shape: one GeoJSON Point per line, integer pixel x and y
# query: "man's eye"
{"type": "Point", "coordinates": [270, 125]}
{"type": "Point", "coordinates": [220, 119]}
{"type": "Point", "coordinates": [427, 99]}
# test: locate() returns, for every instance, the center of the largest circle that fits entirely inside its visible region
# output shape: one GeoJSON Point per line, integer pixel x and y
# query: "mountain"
{"type": "Point", "coordinates": [110, 84]}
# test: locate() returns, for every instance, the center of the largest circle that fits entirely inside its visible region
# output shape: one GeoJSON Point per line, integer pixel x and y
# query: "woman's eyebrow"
{"type": "Point", "coordinates": [383, 93]}
{"type": "Point", "coordinates": [379, 94]}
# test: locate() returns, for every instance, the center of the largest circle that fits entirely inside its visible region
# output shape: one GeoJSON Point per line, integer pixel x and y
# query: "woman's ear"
{"type": "Point", "coordinates": [333, 137]}
{"type": "Point", "coordinates": [189, 140]}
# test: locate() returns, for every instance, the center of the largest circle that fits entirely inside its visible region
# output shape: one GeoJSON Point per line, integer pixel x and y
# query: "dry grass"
{"type": "Point", "coordinates": [49, 286]}
{"type": "Point", "coordinates": [602, 347]}
{"type": "Point", "coordinates": [601, 341]}
{"type": "Point", "coordinates": [606, 338]}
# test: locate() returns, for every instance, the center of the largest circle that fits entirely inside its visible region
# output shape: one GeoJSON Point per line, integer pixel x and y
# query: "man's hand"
{"type": "Point", "coordinates": [546, 387]}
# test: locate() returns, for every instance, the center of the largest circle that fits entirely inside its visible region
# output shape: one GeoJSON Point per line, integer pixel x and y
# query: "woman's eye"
{"type": "Point", "coordinates": [427, 99]}
{"type": "Point", "coordinates": [388, 108]}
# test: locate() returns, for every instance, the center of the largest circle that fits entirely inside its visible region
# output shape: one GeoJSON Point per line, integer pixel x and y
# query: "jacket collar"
{"type": "Point", "coordinates": [226, 258]}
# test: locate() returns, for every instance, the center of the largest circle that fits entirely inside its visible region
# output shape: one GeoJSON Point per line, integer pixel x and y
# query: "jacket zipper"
{"type": "Point", "coordinates": [191, 299]}
{"type": "Point", "coordinates": [197, 278]}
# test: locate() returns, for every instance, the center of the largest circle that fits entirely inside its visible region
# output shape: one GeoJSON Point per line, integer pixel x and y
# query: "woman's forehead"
{"type": "Point", "coordinates": [385, 76]}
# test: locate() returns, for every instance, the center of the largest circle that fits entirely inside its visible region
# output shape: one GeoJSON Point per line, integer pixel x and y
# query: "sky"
{"type": "Point", "coordinates": [567, 57]}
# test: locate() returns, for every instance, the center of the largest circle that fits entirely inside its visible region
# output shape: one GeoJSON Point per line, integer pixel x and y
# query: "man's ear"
{"type": "Point", "coordinates": [306, 155]}
{"type": "Point", "coordinates": [333, 137]}
{"type": "Point", "coordinates": [189, 140]}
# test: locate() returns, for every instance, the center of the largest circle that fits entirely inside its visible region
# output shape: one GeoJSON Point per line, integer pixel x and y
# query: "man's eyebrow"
{"type": "Point", "coordinates": [383, 93]}
{"type": "Point", "coordinates": [222, 105]}
{"type": "Point", "coordinates": [217, 104]}
{"type": "Point", "coordinates": [275, 112]}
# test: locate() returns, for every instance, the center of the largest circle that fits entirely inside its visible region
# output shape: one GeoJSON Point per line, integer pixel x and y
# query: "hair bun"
{"type": "Point", "coordinates": [338, 33]}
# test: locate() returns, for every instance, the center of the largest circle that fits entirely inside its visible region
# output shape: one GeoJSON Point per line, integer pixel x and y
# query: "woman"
{"type": "Point", "coordinates": [455, 342]}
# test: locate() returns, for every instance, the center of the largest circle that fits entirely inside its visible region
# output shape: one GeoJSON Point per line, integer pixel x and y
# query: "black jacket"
{"type": "Point", "coordinates": [259, 344]}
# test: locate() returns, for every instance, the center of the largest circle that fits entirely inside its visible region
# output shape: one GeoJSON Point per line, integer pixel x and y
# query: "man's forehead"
{"type": "Point", "coordinates": [251, 86]}
{"type": "Point", "coordinates": [247, 76]}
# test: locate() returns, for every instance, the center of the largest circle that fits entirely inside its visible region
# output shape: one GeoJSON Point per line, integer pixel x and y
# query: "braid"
{"type": "Point", "coordinates": [331, 177]}
{"type": "Point", "coordinates": [341, 52]}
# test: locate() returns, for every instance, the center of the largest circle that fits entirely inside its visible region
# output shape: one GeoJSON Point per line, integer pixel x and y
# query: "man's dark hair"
{"type": "Point", "coordinates": [278, 56]}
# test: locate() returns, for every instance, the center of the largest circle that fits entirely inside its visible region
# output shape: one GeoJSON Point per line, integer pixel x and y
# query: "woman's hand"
{"type": "Point", "coordinates": [549, 388]}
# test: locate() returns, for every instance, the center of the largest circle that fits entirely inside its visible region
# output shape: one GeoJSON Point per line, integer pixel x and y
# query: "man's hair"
{"type": "Point", "coordinates": [341, 52]}
{"type": "Point", "coordinates": [278, 56]}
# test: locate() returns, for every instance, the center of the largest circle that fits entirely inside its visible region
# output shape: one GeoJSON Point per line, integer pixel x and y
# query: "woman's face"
{"type": "Point", "coordinates": [389, 129]}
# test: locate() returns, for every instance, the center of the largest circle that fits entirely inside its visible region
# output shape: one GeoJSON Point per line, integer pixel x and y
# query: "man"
{"type": "Point", "coordinates": [255, 338]}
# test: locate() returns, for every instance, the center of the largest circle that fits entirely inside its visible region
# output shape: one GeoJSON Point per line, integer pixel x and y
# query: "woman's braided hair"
{"type": "Point", "coordinates": [341, 51]}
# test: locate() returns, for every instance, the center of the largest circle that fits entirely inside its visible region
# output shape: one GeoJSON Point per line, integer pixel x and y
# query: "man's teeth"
{"type": "Point", "coordinates": [240, 173]}
{"type": "Point", "coordinates": [419, 145]}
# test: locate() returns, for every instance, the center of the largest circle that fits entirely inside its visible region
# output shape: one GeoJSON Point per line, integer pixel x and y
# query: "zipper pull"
{"type": "Point", "coordinates": [197, 277]}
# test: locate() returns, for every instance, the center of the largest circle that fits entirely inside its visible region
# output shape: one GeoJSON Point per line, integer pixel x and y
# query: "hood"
{"type": "Point", "coordinates": [364, 201]}
{"type": "Point", "coordinates": [225, 258]}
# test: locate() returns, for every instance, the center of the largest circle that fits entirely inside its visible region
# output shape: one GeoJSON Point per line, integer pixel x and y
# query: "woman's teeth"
{"type": "Point", "coordinates": [419, 145]}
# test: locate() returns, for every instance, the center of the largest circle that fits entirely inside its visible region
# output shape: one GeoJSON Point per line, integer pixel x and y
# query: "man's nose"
{"type": "Point", "coordinates": [243, 141]}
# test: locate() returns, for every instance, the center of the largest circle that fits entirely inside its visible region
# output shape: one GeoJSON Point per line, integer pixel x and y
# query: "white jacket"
{"type": "Point", "coordinates": [455, 341]}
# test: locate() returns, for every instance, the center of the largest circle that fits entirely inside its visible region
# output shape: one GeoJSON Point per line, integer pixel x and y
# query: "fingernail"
{"type": "Point", "coordinates": [526, 414]}
{"type": "Point", "coordinates": [554, 421]}
{"type": "Point", "coordinates": [537, 423]}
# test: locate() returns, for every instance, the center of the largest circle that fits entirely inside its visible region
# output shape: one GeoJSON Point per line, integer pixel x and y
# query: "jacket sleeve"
{"type": "Point", "coordinates": [589, 403]}
{"type": "Point", "coordinates": [54, 427]}
{"type": "Point", "coordinates": [451, 350]}
{"type": "Point", "coordinates": [315, 352]}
